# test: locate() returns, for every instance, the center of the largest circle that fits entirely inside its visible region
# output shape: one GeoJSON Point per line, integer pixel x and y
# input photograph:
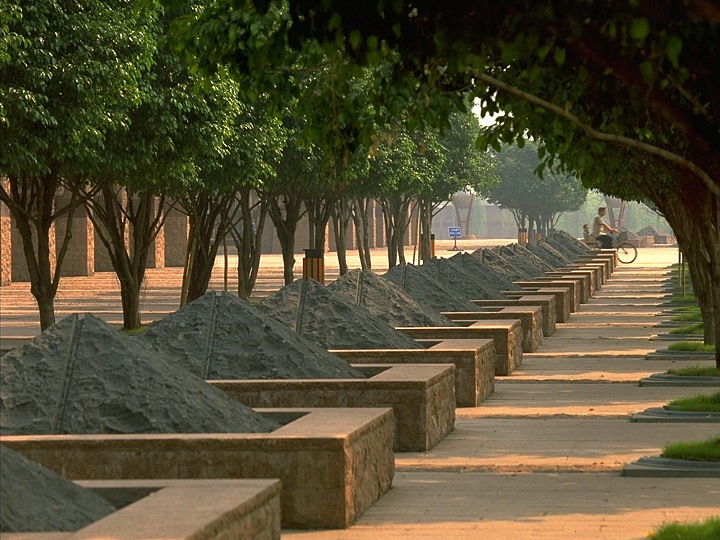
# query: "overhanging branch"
{"type": "Point", "coordinates": [602, 136]}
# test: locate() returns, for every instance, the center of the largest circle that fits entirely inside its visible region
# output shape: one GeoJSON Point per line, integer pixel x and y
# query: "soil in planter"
{"type": "Point", "coordinates": [36, 499]}
{"type": "Point", "coordinates": [385, 300]}
{"type": "Point", "coordinates": [459, 280]}
{"type": "Point", "coordinates": [495, 280]}
{"type": "Point", "coordinates": [426, 290]}
{"type": "Point", "coordinates": [81, 376]}
{"type": "Point", "coordinates": [326, 318]}
{"type": "Point", "coordinates": [219, 336]}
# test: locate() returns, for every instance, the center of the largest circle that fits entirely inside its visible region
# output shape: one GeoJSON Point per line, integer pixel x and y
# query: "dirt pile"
{"type": "Point", "coordinates": [326, 318]}
{"type": "Point", "coordinates": [494, 280]}
{"type": "Point", "coordinates": [385, 300]}
{"type": "Point", "coordinates": [219, 336]}
{"type": "Point", "coordinates": [426, 290]}
{"type": "Point", "coordinates": [547, 254]}
{"type": "Point", "coordinates": [459, 280]}
{"type": "Point", "coordinates": [565, 244]}
{"type": "Point", "coordinates": [81, 376]}
{"type": "Point", "coordinates": [36, 499]}
{"type": "Point", "coordinates": [521, 265]}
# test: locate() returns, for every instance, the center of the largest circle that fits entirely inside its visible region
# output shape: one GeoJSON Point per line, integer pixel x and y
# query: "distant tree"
{"type": "Point", "coordinates": [535, 198]}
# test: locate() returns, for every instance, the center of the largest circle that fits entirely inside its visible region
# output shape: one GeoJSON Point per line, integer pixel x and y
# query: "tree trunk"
{"type": "Point", "coordinates": [397, 218]}
{"type": "Point", "coordinates": [689, 216]}
{"type": "Point", "coordinates": [211, 216]}
{"type": "Point", "coordinates": [31, 203]}
{"type": "Point", "coordinates": [360, 219]}
{"type": "Point", "coordinates": [285, 211]}
{"type": "Point", "coordinates": [341, 216]}
{"type": "Point", "coordinates": [249, 243]}
{"type": "Point", "coordinates": [319, 210]}
{"type": "Point", "coordinates": [425, 213]}
{"type": "Point", "coordinates": [119, 214]}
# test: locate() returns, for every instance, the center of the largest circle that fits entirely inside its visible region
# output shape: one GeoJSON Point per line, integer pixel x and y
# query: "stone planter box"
{"type": "Point", "coordinates": [608, 257]}
{"type": "Point", "coordinates": [474, 362]}
{"type": "Point", "coordinates": [572, 286]}
{"type": "Point", "coordinates": [599, 271]}
{"type": "Point", "coordinates": [333, 463]}
{"type": "Point", "coordinates": [506, 334]}
{"type": "Point", "coordinates": [422, 398]}
{"type": "Point", "coordinates": [547, 304]}
{"type": "Point", "coordinates": [563, 303]}
{"type": "Point", "coordinates": [587, 276]}
{"type": "Point", "coordinates": [198, 509]}
{"type": "Point", "coordinates": [530, 318]}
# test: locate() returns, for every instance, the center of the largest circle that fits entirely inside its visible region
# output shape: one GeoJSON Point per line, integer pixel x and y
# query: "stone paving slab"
{"type": "Point", "coordinates": [590, 444]}
{"type": "Point", "coordinates": [548, 506]}
{"type": "Point", "coordinates": [596, 369]}
{"type": "Point", "coordinates": [585, 399]}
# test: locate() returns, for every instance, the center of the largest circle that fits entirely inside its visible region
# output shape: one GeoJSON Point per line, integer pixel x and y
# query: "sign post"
{"type": "Point", "coordinates": [454, 233]}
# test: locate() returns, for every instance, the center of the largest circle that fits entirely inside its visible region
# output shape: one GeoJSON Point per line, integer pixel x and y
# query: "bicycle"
{"type": "Point", "coordinates": [626, 252]}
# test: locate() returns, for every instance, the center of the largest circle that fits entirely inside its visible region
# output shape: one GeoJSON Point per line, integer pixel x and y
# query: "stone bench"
{"type": "Point", "coordinates": [530, 318]}
{"type": "Point", "coordinates": [333, 463]}
{"type": "Point", "coordinates": [546, 302]}
{"type": "Point", "coordinates": [422, 398]}
{"type": "Point", "coordinates": [506, 334]}
{"type": "Point", "coordinates": [563, 304]}
{"type": "Point", "coordinates": [474, 364]}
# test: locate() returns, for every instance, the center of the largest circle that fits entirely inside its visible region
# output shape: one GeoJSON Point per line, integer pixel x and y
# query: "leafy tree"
{"type": "Point", "coordinates": [69, 74]}
{"type": "Point", "coordinates": [535, 201]}
{"type": "Point", "coordinates": [594, 80]}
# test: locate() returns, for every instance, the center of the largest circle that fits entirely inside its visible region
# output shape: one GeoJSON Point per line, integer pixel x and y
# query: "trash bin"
{"type": "Point", "coordinates": [522, 236]}
{"type": "Point", "coordinates": [314, 265]}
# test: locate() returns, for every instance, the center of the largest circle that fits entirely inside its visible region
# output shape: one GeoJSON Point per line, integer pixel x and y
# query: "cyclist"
{"type": "Point", "coordinates": [599, 228]}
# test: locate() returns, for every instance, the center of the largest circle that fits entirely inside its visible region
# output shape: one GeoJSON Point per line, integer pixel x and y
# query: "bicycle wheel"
{"type": "Point", "coordinates": [626, 252]}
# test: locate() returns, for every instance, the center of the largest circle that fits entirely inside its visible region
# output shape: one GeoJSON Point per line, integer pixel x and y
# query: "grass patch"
{"type": "Point", "coordinates": [689, 329]}
{"type": "Point", "coordinates": [684, 309]}
{"type": "Point", "coordinates": [695, 371]}
{"type": "Point", "coordinates": [695, 451]}
{"type": "Point", "coordinates": [686, 298]}
{"type": "Point", "coordinates": [691, 346]}
{"type": "Point", "coordinates": [702, 530]}
{"type": "Point", "coordinates": [690, 315]}
{"type": "Point", "coordinates": [699, 403]}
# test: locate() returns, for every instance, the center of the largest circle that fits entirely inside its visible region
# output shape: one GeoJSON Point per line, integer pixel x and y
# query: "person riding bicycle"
{"type": "Point", "coordinates": [599, 228]}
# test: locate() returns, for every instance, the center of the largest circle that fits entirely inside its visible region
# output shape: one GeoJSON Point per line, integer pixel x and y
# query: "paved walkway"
{"type": "Point", "coordinates": [541, 458]}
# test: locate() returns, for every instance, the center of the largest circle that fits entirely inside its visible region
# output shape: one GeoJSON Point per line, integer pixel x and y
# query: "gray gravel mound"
{"type": "Point", "coordinates": [219, 336]}
{"type": "Point", "coordinates": [521, 265]}
{"type": "Point", "coordinates": [385, 300]}
{"type": "Point", "coordinates": [327, 319]}
{"type": "Point", "coordinates": [36, 499]}
{"type": "Point", "coordinates": [426, 290]}
{"type": "Point", "coordinates": [531, 260]}
{"type": "Point", "coordinates": [563, 246]}
{"type": "Point", "coordinates": [577, 247]}
{"type": "Point", "coordinates": [459, 280]}
{"type": "Point", "coordinates": [495, 280]}
{"type": "Point", "coordinates": [547, 254]}
{"type": "Point", "coordinates": [81, 376]}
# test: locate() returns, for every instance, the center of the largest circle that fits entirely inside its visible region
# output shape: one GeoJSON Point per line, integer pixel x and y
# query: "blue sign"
{"type": "Point", "coordinates": [454, 232]}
